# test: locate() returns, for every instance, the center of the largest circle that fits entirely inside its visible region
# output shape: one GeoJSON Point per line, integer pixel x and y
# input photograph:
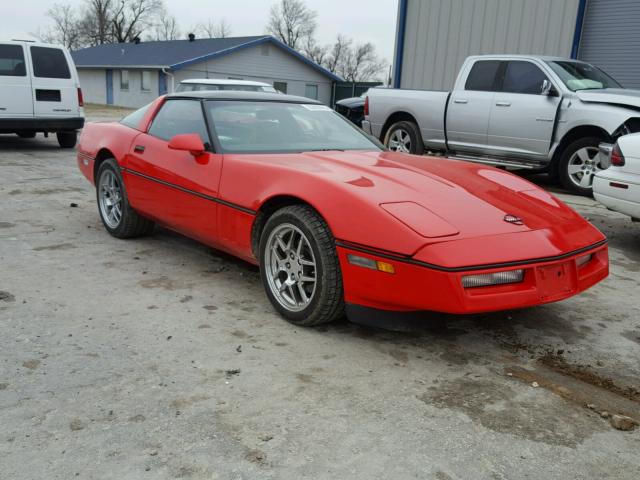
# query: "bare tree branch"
{"type": "Point", "coordinates": [292, 22]}
{"type": "Point", "coordinates": [213, 29]}
{"type": "Point", "coordinates": [65, 27]}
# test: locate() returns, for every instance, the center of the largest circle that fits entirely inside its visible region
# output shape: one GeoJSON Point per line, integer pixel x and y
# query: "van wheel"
{"type": "Point", "coordinates": [26, 134]}
{"type": "Point", "coordinates": [67, 139]}
{"type": "Point", "coordinates": [404, 137]}
{"type": "Point", "coordinates": [579, 163]}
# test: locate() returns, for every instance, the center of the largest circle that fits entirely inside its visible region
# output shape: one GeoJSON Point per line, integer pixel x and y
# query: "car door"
{"type": "Point", "coordinates": [522, 116]}
{"type": "Point", "coordinates": [173, 187]}
{"type": "Point", "coordinates": [55, 91]}
{"type": "Point", "coordinates": [15, 82]}
{"type": "Point", "coordinates": [469, 108]}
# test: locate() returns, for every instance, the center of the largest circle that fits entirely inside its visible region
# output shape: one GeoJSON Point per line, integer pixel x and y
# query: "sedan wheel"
{"type": "Point", "coordinates": [110, 198]}
{"type": "Point", "coordinates": [291, 267]}
{"type": "Point", "coordinates": [583, 165]}
{"type": "Point", "coordinates": [299, 266]}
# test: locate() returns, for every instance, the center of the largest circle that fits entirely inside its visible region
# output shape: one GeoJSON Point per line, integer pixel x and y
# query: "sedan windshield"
{"type": "Point", "coordinates": [268, 127]}
{"type": "Point", "coordinates": [582, 76]}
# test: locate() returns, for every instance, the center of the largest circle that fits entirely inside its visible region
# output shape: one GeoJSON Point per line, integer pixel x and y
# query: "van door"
{"type": "Point", "coordinates": [468, 109]}
{"type": "Point", "coordinates": [522, 115]}
{"type": "Point", "coordinates": [55, 91]}
{"type": "Point", "coordinates": [15, 83]}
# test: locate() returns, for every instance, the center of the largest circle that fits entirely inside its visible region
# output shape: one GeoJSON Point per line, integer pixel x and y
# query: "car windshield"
{"type": "Point", "coordinates": [582, 76]}
{"type": "Point", "coordinates": [269, 127]}
{"type": "Point", "coordinates": [199, 87]}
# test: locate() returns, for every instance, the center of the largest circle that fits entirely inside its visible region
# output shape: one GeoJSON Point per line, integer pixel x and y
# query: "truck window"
{"type": "Point", "coordinates": [12, 61]}
{"type": "Point", "coordinates": [482, 75]}
{"type": "Point", "coordinates": [49, 63]}
{"type": "Point", "coordinates": [523, 77]}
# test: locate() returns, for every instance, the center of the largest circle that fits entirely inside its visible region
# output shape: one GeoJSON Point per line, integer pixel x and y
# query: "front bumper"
{"type": "Point", "coordinates": [415, 287]}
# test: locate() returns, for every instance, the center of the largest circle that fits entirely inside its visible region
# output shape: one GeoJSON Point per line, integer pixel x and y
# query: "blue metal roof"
{"type": "Point", "coordinates": [177, 54]}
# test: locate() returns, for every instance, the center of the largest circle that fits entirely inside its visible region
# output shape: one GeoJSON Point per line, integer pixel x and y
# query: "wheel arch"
{"type": "Point", "coordinates": [395, 118]}
{"type": "Point", "coordinates": [267, 209]}
{"type": "Point", "coordinates": [102, 155]}
{"type": "Point", "coordinates": [574, 134]}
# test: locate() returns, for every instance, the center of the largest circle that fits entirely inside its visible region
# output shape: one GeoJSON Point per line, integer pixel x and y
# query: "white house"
{"type": "Point", "coordinates": [133, 74]}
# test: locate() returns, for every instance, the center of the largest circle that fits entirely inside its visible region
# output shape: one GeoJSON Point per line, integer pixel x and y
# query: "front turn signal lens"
{"type": "Point", "coordinates": [371, 264]}
{"type": "Point", "coordinates": [489, 279]}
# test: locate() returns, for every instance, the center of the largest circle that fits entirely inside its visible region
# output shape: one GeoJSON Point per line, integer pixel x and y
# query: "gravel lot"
{"type": "Point", "coordinates": [160, 358]}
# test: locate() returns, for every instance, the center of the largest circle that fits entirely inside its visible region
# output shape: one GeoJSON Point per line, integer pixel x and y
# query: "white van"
{"type": "Point", "coordinates": [39, 91]}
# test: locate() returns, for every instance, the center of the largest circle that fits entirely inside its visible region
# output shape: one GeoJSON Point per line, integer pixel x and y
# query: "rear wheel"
{"type": "Point", "coordinates": [299, 267]}
{"type": "Point", "coordinates": [117, 216]}
{"type": "Point", "coordinates": [26, 134]}
{"type": "Point", "coordinates": [67, 139]}
{"type": "Point", "coordinates": [404, 137]}
{"type": "Point", "coordinates": [579, 162]}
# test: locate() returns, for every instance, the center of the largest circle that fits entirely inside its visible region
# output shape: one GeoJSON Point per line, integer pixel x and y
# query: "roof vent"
{"type": "Point", "coordinates": [136, 40]}
{"type": "Point", "coordinates": [192, 37]}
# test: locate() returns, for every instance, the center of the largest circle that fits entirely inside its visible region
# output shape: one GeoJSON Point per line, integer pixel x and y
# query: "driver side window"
{"type": "Point", "coordinates": [523, 77]}
{"type": "Point", "coordinates": [177, 117]}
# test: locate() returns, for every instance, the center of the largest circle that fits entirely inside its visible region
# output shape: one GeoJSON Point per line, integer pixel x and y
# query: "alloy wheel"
{"type": "Point", "coordinates": [110, 198]}
{"type": "Point", "coordinates": [583, 165]}
{"type": "Point", "coordinates": [290, 267]}
{"type": "Point", "coordinates": [400, 141]}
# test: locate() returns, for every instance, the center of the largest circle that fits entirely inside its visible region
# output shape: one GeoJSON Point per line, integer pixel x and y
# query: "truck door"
{"type": "Point", "coordinates": [522, 115]}
{"type": "Point", "coordinates": [15, 83]}
{"type": "Point", "coordinates": [469, 108]}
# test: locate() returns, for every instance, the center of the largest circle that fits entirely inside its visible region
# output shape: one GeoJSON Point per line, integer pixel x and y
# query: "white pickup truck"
{"type": "Point", "coordinates": [517, 111]}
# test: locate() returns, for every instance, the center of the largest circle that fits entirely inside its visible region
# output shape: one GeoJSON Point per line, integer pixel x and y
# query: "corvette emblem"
{"type": "Point", "coordinates": [513, 219]}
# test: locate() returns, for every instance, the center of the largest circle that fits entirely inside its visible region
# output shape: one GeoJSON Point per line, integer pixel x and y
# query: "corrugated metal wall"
{"type": "Point", "coordinates": [611, 39]}
{"type": "Point", "coordinates": [440, 34]}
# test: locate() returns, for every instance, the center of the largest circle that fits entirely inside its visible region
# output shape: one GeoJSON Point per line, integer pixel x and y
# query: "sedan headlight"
{"type": "Point", "coordinates": [488, 279]}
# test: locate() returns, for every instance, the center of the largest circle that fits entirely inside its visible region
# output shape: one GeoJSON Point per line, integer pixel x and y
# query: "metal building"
{"type": "Point", "coordinates": [433, 37]}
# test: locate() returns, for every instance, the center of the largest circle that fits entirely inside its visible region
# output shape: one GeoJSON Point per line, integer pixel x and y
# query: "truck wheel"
{"type": "Point", "coordinates": [404, 137]}
{"type": "Point", "coordinates": [578, 164]}
{"type": "Point", "coordinates": [67, 139]}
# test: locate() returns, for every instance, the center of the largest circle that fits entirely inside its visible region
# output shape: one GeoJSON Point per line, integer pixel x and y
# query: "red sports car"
{"type": "Point", "coordinates": [335, 222]}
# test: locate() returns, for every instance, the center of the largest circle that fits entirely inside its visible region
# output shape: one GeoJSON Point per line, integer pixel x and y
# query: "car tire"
{"type": "Point", "coordinates": [67, 139]}
{"type": "Point", "coordinates": [117, 216]}
{"type": "Point", "coordinates": [578, 164]}
{"type": "Point", "coordinates": [404, 137]}
{"type": "Point", "coordinates": [296, 244]}
{"type": "Point", "coordinates": [26, 134]}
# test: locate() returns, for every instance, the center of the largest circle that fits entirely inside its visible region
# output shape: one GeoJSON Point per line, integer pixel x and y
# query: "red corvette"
{"type": "Point", "coordinates": [334, 221]}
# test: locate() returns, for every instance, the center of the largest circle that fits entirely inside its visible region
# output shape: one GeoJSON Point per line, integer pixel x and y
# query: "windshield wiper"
{"type": "Point", "coordinates": [326, 150]}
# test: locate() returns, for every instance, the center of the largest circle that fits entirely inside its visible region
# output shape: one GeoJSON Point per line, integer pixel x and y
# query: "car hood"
{"type": "Point", "coordinates": [614, 96]}
{"type": "Point", "coordinates": [459, 200]}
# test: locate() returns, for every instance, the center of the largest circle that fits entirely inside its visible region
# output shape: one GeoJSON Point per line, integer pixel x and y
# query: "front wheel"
{"type": "Point", "coordinates": [579, 162]}
{"type": "Point", "coordinates": [404, 137]}
{"type": "Point", "coordinates": [299, 267]}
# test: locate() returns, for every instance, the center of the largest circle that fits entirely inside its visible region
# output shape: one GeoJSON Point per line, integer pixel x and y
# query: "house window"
{"type": "Point", "coordinates": [311, 91]}
{"type": "Point", "coordinates": [145, 81]}
{"type": "Point", "coordinates": [280, 86]}
{"type": "Point", "coordinates": [124, 79]}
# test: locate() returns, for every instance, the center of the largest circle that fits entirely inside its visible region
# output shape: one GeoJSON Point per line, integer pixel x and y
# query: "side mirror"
{"type": "Point", "coordinates": [548, 89]}
{"type": "Point", "coordinates": [188, 142]}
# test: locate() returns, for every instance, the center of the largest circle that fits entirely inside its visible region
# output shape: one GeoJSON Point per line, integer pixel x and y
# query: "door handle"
{"type": "Point", "coordinates": [503, 104]}
{"type": "Point", "coordinates": [138, 149]}
{"type": "Point", "coordinates": [460, 100]}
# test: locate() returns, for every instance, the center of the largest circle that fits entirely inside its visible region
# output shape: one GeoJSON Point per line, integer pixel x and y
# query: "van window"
{"type": "Point", "coordinates": [177, 117]}
{"type": "Point", "coordinates": [49, 63]}
{"type": "Point", "coordinates": [12, 61]}
{"type": "Point", "coordinates": [482, 75]}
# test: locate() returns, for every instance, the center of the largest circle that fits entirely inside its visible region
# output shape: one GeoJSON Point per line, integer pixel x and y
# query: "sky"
{"type": "Point", "coordinates": [364, 20]}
